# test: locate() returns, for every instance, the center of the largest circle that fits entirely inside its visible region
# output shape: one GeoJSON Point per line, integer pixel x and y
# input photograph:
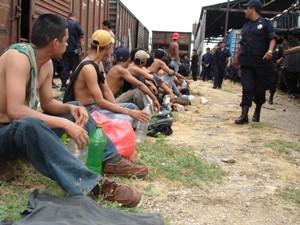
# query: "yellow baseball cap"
{"type": "Point", "coordinates": [102, 38]}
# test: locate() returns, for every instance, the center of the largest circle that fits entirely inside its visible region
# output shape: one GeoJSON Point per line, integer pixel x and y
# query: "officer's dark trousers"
{"type": "Point", "coordinates": [255, 80]}
{"type": "Point", "coordinates": [219, 76]}
{"type": "Point", "coordinates": [206, 73]}
{"type": "Point", "coordinates": [69, 62]}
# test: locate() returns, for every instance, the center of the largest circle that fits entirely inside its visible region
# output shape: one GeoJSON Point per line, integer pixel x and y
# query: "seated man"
{"type": "Point", "coordinates": [91, 88]}
{"type": "Point", "coordinates": [118, 77]}
{"type": "Point", "coordinates": [138, 69]}
{"type": "Point", "coordinates": [25, 79]}
{"type": "Point", "coordinates": [158, 64]}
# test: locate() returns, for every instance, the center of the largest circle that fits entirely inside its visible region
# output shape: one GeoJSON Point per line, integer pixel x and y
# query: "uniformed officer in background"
{"type": "Point", "coordinates": [258, 41]}
{"type": "Point", "coordinates": [222, 59]}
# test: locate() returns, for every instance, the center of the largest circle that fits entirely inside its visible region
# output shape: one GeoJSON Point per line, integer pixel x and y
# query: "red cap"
{"type": "Point", "coordinates": [175, 36]}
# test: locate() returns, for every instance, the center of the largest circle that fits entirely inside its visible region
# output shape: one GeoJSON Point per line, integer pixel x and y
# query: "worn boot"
{"type": "Point", "coordinates": [122, 194]}
{"type": "Point", "coordinates": [244, 116]}
{"type": "Point", "coordinates": [256, 115]}
{"type": "Point", "coordinates": [125, 168]}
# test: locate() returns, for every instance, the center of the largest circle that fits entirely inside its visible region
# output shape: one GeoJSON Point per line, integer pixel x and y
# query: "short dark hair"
{"type": "Point", "coordinates": [46, 28]}
{"type": "Point", "coordinates": [107, 23]}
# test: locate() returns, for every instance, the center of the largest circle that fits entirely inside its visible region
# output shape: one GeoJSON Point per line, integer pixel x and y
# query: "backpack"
{"type": "Point", "coordinates": [69, 93]}
{"type": "Point", "coordinates": [161, 123]}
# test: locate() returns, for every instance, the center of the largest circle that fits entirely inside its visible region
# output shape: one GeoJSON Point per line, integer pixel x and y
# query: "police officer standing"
{"type": "Point", "coordinates": [222, 58]}
{"type": "Point", "coordinates": [71, 58]}
{"type": "Point", "coordinates": [258, 41]}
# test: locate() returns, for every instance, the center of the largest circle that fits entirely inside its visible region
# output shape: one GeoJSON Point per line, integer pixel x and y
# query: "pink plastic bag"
{"type": "Point", "coordinates": [120, 132]}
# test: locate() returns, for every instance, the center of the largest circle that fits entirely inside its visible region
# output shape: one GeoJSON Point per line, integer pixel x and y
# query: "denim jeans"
{"type": "Point", "coordinates": [33, 139]}
{"type": "Point", "coordinates": [174, 64]}
{"type": "Point", "coordinates": [109, 152]}
{"type": "Point", "coordinates": [171, 84]}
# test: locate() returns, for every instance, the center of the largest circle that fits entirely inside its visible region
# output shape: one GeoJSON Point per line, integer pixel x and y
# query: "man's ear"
{"type": "Point", "coordinates": [54, 43]}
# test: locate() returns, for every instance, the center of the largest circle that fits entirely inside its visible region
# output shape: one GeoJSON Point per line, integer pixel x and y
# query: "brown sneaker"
{"type": "Point", "coordinates": [127, 196]}
{"type": "Point", "coordinates": [125, 168]}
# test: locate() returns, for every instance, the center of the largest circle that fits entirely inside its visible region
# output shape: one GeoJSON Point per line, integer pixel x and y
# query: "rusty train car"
{"type": "Point", "coordinates": [129, 31]}
{"type": "Point", "coordinates": [17, 16]}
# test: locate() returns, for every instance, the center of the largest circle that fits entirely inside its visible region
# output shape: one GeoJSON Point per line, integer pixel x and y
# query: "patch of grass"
{"type": "Point", "coordinates": [14, 192]}
{"type": "Point", "coordinates": [284, 147]}
{"type": "Point", "coordinates": [291, 194]}
{"type": "Point", "coordinates": [177, 163]}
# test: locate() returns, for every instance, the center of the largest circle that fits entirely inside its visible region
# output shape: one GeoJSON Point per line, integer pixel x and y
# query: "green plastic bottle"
{"type": "Point", "coordinates": [96, 150]}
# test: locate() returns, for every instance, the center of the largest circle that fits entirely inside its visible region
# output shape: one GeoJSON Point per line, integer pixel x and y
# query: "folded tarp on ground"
{"type": "Point", "coordinates": [44, 209]}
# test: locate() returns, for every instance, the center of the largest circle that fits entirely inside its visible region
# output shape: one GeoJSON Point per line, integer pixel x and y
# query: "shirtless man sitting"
{"type": "Point", "coordinates": [26, 72]}
{"type": "Point", "coordinates": [118, 76]}
{"type": "Point", "coordinates": [158, 64]}
{"type": "Point", "coordinates": [125, 87]}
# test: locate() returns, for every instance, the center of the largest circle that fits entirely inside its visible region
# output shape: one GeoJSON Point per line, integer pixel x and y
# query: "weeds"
{"type": "Point", "coordinates": [291, 194]}
{"type": "Point", "coordinates": [176, 164]}
{"type": "Point", "coordinates": [284, 147]}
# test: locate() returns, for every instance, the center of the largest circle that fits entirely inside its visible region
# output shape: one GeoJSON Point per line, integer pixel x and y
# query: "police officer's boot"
{"type": "Point", "coordinates": [244, 116]}
{"type": "Point", "coordinates": [271, 97]}
{"type": "Point", "coordinates": [256, 115]}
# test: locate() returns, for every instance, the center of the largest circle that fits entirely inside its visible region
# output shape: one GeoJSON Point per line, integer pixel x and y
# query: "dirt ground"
{"type": "Point", "coordinates": [250, 191]}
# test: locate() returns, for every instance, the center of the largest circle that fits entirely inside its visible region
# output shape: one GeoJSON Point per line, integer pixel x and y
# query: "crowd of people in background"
{"type": "Point", "coordinates": [117, 82]}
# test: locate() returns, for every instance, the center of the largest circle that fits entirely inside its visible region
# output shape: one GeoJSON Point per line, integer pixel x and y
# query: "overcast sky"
{"type": "Point", "coordinates": [168, 15]}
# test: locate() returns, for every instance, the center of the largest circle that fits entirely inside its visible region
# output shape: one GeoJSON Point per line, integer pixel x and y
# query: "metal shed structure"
{"type": "Point", "coordinates": [213, 18]}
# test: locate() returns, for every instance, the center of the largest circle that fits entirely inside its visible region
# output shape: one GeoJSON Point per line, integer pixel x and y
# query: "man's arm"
{"type": "Point", "coordinates": [107, 93]}
{"type": "Point", "coordinates": [126, 75]}
{"type": "Point", "coordinates": [136, 71]}
{"type": "Point", "coordinates": [54, 107]}
{"type": "Point", "coordinates": [272, 44]}
{"type": "Point", "coordinates": [90, 79]}
{"type": "Point", "coordinates": [17, 76]}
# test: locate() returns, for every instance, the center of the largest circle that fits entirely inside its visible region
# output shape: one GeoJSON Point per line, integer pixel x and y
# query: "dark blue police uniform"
{"type": "Point", "coordinates": [255, 71]}
{"type": "Point", "coordinates": [71, 58]}
{"type": "Point", "coordinates": [207, 59]}
{"type": "Point", "coordinates": [221, 56]}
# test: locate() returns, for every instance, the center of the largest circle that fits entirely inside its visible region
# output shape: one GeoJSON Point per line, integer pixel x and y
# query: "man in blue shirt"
{"type": "Point", "coordinates": [222, 59]}
{"type": "Point", "coordinates": [71, 58]}
{"type": "Point", "coordinates": [258, 41]}
{"type": "Point", "coordinates": [207, 60]}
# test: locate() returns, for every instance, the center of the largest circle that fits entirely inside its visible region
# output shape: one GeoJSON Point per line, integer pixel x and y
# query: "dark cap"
{"type": "Point", "coordinates": [122, 54]}
{"type": "Point", "coordinates": [257, 4]}
{"type": "Point", "coordinates": [107, 23]}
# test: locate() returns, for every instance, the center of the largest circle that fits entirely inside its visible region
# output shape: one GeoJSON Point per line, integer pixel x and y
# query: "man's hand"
{"type": "Point", "coordinates": [80, 114]}
{"type": "Point", "coordinates": [77, 133]}
{"type": "Point", "coordinates": [268, 56]}
{"type": "Point", "coordinates": [152, 88]}
{"type": "Point", "coordinates": [172, 98]}
{"type": "Point", "coordinates": [139, 115]}
{"type": "Point", "coordinates": [156, 105]}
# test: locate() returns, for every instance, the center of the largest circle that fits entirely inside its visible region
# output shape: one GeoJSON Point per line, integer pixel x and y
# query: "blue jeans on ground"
{"type": "Point", "coordinates": [171, 84]}
{"type": "Point", "coordinates": [33, 139]}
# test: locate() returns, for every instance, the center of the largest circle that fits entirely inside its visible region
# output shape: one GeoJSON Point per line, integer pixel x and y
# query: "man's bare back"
{"type": "Point", "coordinates": [115, 79]}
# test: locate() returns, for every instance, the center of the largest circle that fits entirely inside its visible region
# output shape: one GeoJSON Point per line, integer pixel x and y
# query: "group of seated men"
{"type": "Point", "coordinates": [26, 74]}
